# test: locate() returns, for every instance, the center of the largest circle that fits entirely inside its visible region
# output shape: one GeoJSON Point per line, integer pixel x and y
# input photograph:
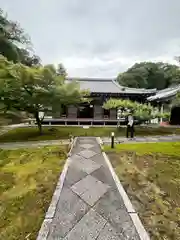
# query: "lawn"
{"type": "Point", "coordinates": [27, 181]}
{"type": "Point", "coordinates": [150, 174]}
{"type": "Point", "coordinates": [53, 133]}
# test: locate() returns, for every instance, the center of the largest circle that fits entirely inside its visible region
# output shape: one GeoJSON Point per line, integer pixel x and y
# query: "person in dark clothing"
{"type": "Point", "coordinates": [130, 126]}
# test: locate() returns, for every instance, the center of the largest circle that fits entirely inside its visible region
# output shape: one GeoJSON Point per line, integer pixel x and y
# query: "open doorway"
{"type": "Point", "coordinates": [106, 113]}
{"type": "Point", "coordinates": [85, 111]}
{"type": "Point", "coordinates": [175, 116]}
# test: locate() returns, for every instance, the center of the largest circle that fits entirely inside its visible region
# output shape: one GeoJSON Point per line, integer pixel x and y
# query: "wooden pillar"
{"type": "Point", "coordinates": [162, 111]}
{"type": "Point", "coordinates": [113, 114]}
{"type": "Point", "coordinates": [98, 112]}
{"type": "Point", "coordinates": [72, 112]}
{"type": "Point", "coordinates": [55, 112]}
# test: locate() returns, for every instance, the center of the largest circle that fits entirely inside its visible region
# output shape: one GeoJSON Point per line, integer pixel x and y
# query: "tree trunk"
{"type": "Point", "coordinates": [39, 123]}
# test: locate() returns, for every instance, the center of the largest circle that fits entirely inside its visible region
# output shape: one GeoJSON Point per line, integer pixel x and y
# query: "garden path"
{"type": "Point", "coordinates": [89, 203]}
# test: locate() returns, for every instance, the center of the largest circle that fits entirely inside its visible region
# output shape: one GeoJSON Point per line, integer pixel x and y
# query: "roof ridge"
{"type": "Point", "coordinates": [121, 86]}
{"type": "Point", "coordinates": [90, 79]}
{"type": "Point", "coordinates": [117, 84]}
{"type": "Point", "coordinates": [169, 92]}
{"type": "Point", "coordinates": [169, 88]}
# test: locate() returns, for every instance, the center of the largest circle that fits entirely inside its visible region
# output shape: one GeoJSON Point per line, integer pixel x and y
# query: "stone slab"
{"type": "Point", "coordinates": [98, 158]}
{"type": "Point", "coordinates": [86, 145]}
{"type": "Point", "coordinates": [83, 164]}
{"type": "Point", "coordinates": [76, 150]}
{"type": "Point", "coordinates": [116, 215]}
{"type": "Point", "coordinates": [109, 233]}
{"type": "Point", "coordinates": [103, 175]}
{"type": "Point", "coordinates": [92, 195]}
{"type": "Point", "coordinates": [74, 175]}
{"type": "Point", "coordinates": [96, 149]}
{"type": "Point", "coordinates": [112, 197]}
{"type": "Point", "coordinates": [70, 209]}
{"type": "Point", "coordinates": [88, 228]}
{"type": "Point", "coordinates": [87, 153]}
{"type": "Point", "coordinates": [83, 185]}
{"type": "Point", "coordinates": [90, 189]}
{"type": "Point", "coordinates": [86, 141]}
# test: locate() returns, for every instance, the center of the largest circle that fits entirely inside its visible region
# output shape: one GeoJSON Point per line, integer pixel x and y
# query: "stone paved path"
{"type": "Point", "coordinates": [5, 129]}
{"type": "Point", "coordinates": [165, 138]}
{"type": "Point", "coordinates": [32, 144]}
{"type": "Point", "coordinates": [88, 205]}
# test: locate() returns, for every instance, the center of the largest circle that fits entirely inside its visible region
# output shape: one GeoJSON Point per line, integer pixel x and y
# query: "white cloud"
{"type": "Point", "coordinates": [100, 38]}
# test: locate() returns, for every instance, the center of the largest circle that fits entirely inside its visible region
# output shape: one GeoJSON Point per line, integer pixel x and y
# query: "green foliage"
{"type": "Point", "coordinates": [27, 58]}
{"type": "Point", "coordinates": [12, 36]}
{"type": "Point", "coordinates": [150, 75]}
{"type": "Point", "coordinates": [61, 71]}
{"type": "Point", "coordinates": [35, 89]}
{"type": "Point", "coordinates": [166, 115]}
{"type": "Point", "coordinates": [139, 110]}
{"type": "Point", "coordinates": [176, 101]}
{"type": "Point", "coordinates": [119, 103]}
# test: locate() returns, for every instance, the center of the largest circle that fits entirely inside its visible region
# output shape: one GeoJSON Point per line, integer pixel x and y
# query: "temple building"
{"type": "Point", "coordinates": [93, 113]}
{"type": "Point", "coordinates": [163, 99]}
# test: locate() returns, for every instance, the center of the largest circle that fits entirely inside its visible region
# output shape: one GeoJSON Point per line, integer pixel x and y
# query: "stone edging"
{"type": "Point", "coordinates": [143, 235]}
{"type": "Point", "coordinates": [44, 230]}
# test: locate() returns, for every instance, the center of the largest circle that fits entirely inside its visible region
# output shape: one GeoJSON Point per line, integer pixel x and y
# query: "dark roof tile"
{"type": "Point", "coordinates": [165, 93]}
{"type": "Point", "coordinates": [99, 85]}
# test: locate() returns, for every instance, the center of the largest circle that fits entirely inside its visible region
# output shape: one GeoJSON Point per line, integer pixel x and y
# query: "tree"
{"type": "Point", "coordinates": [27, 58]}
{"type": "Point", "coordinates": [141, 111]}
{"type": "Point", "coordinates": [176, 100]}
{"type": "Point", "coordinates": [15, 44]}
{"type": "Point", "coordinates": [11, 37]}
{"type": "Point", "coordinates": [61, 71]}
{"type": "Point", "coordinates": [35, 89]}
{"type": "Point", "coordinates": [137, 78]}
{"type": "Point", "coordinates": [150, 75]}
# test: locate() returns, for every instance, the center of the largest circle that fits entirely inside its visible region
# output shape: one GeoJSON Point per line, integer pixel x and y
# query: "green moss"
{"type": "Point", "coordinates": [169, 148]}
{"type": "Point", "coordinates": [52, 133]}
{"type": "Point", "coordinates": [28, 178]}
{"type": "Point", "coordinates": [150, 174]}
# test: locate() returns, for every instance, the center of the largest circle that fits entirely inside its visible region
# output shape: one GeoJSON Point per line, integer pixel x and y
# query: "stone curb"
{"type": "Point", "coordinates": [45, 227]}
{"type": "Point", "coordinates": [120, 188]}
{"type": "Point", "coordinates": [143, 235]}
{"type": "Point", "coordinates": [99, 140]}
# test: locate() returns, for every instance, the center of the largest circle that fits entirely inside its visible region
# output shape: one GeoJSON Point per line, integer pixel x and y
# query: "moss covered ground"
{"type": "Point", "coordinates": [150, 173]}
{"type": "Point", "coordinates": [27, 181]}
{"type": "Point", "coordinates": [53, 133]}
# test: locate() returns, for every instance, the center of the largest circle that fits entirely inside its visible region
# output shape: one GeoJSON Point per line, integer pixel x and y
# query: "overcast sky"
{"type": "Point", "coordinates": [99, 38]}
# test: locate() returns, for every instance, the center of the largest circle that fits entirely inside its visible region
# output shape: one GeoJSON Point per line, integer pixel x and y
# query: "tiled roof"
{"type": "Point", "coordinates": [165, 93]}
{"type": "Point", "coordinates": [97, 85]}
